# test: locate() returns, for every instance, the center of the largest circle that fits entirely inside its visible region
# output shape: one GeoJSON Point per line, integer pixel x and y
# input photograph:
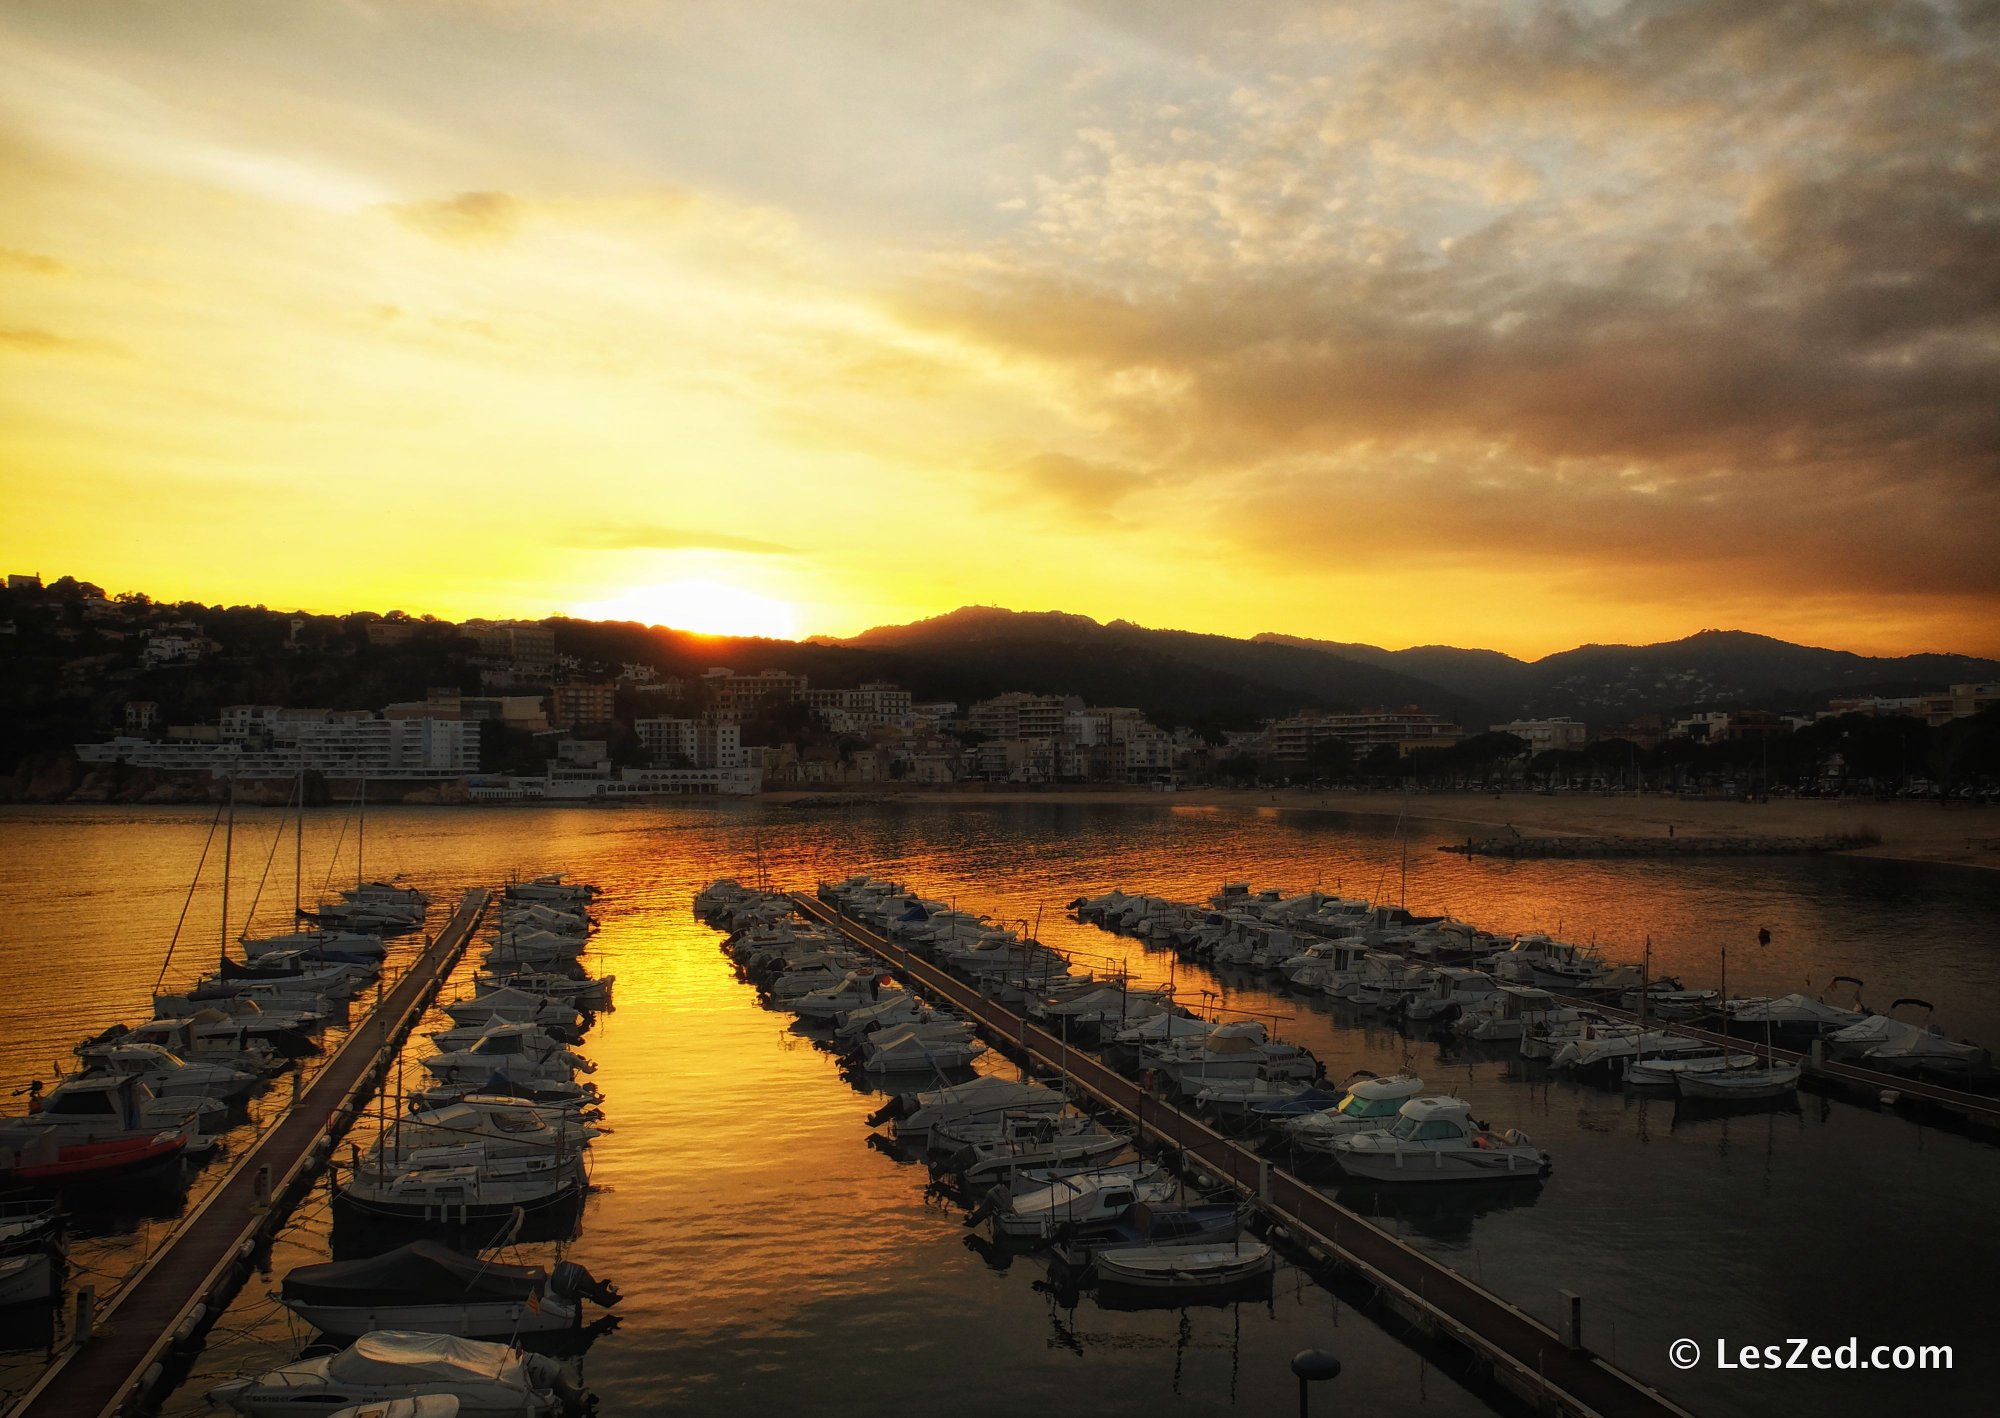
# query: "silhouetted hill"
{"type": "Point", "coordinates": [1176, 675]}
{"type": "Point", "coordinates": [1605, 683]}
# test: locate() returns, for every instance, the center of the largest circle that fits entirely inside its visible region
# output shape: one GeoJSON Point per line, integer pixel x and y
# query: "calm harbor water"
{"type": "Point", "coordinates": [770, 1257]}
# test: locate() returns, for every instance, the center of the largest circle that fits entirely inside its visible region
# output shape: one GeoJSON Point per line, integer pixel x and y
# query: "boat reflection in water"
{"type": "Point", "coordinates": [1441, 1214]}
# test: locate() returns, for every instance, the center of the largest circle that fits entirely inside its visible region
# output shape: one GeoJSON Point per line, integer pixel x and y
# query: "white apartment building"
{"type": "Point", "coordinates": [1545, 735]}
{"type": "Point", "coordinates": [261, 741]}
{"type": "Point", "coordinates": [702, 743]}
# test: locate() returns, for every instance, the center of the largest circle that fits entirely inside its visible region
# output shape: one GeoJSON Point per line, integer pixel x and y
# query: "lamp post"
{"type": "Point", "coordinates": [1313, 1366]}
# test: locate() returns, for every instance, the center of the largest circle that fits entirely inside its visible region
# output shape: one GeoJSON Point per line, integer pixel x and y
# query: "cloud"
{"type": "Point", "coordinates": [1082, 484]}
{"type": "Point", "coordinates": [1696, 288]}
{"type": "Point", "coordinates": [32, 262]}
{"type": "Point", "coordinates": [470, 217]}
{"type": "Point", "coordinates": [31, 340]}
{"type": "Point", "coordinates": [640, 536]}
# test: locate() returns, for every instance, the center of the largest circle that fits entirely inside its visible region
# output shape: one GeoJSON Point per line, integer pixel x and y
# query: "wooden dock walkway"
{"type": "Point", "coordinates": [1973, 1107]}
{"type": "Point", "coordinates": [184, 1284]}
{"type": "Point", "coordinates": [1522, 1355]}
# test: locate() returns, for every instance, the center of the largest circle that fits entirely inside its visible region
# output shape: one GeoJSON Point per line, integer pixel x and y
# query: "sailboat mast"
{"type": "Point", "coordinates": [228, 840]}
{"type": "Point", "coordinates": [360, 825]}
{"type": "Point", "coordinates": [1645, 988]}
{"type": "Point", "coordinates": [299, 851]}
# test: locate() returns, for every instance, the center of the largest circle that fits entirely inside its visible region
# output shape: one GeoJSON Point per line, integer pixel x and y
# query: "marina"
{"type": "Point", "coordinates": [776, 1102]}
{"type": "Point", "coordinates": [1529, 1359]}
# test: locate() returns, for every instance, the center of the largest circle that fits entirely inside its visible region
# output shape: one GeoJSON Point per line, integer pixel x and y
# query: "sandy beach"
{"type": "Point", "coordinates": [1961, 834]}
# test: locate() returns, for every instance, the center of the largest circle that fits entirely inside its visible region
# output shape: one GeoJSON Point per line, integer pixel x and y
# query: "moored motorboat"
{"type": "Point", "coordinates": [488, 1380]}
{"type": "Point", "coordinates": [429, 1288]}
{"type": "Point", "coordinates": [1435, 1139]}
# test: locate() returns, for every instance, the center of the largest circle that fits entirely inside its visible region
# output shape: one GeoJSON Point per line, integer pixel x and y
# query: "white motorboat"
{"type": "Point", "coordinates": [327, 945]}
{"type": "Point", "coordinates": [1082, 1199]}
{"type": "Point", "coordinates": [985, 1097]}
{"type": "Point", "coordinates": [1184, 1268]}
{"type": "Point", "coordinates": [896, 1007]}
{"type": "Point", "coordinates": [454, 1185]}
{"type": "Point", "coordinates": [912, 1047]}
{"type": "Point", "coordinates": [488, 1380]}
{"type": "Point", "coordinates": [1237, 1049]}
{"type": "Point", "coordinates": [557, 1095]}
{"type": "Point", "coordinates": [582, 994]}
{"type": "Point", "coordinates": [516, 1006]}
{"type": "Point", "coordinates": [166, 1073]}
{"type": "Point", "coordinates": [94, 1107]}
{"type": "Point", "coordinates": [1435, 1139]}
{"type": "Point", "coordinates": [207, 1036]}
{"type": "Point", "coordinates": [1367, 1103]}
{"type": "Point", "coordinates": [285, 1030]}
{"type": "Point", "coordinates": [429, 1288]}
{"type": "Point", "coordinates": [1449, 992]}
{"type": "Point", "coordinates": [1385, 981]}
{"type": "Point", "coordinates": [1753, 1083]}
{"type": "Point", "coordinates": [1510, 1012]}
{"type": "Point", "coordinates": [1793, 1016]}
{"type": "Point", "coordinates": [505, 1127]}
{"type": "Point", "coordinates": [515, 1051]}
{"type": "Point", "coordinates": [1899, 1046]}
{"type": "Point", "coordinates": [1550, 965]}
{"type": "Point", "coordinates": [858, 989]}
{"type": "Point", "coordinates": [551, 889]}
{"type": "Point", "coordinates": [1050, 1144]}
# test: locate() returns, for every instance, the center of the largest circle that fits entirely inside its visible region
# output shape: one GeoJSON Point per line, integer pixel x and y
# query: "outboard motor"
{"type": "Point", "coordinates": [574, 1282]}
{"type": "Point", "coordinates": [896, 1107]}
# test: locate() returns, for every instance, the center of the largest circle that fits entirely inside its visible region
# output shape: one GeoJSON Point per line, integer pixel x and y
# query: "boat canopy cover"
{"type": "Point", "coordinates": [399, 1358]}
{"type": "Point", "coordinates": [421, 1273]}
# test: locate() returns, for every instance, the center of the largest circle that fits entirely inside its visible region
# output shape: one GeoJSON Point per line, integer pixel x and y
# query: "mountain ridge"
{"type": "Point", "coordinates": [1601, 683]}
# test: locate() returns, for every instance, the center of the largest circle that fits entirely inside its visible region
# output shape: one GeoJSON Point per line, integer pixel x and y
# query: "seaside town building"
{"type": "Point", "coordinates": [581, 703]}
{"type": "Point", "coordinates": [265, 741]}
{"type": "Point", "coordinates": [1546, 735]}
{"type": "Point", "coordinates": [1405, 730]}
{"type": "Point", "coordinates": [690, 743]}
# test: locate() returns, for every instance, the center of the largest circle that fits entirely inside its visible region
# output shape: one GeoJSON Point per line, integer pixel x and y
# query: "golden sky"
{"type": "Point", "coordinates": [1514, 325]}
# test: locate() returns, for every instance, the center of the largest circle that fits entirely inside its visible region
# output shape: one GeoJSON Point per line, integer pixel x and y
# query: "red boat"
{"type": "Point", "coordinates": [45, 1160]}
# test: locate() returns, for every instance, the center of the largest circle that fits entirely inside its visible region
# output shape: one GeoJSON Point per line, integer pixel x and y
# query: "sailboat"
{"type": "Point", "coordinates": [337, 946]}
{"type": "Point", "coordinates": [1760, 1079]}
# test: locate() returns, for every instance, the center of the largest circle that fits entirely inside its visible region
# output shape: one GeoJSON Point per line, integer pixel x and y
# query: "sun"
{"type": "Point", "coordinates": [705, 607]}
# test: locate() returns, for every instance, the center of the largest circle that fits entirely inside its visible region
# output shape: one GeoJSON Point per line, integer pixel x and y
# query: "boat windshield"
{"type": "Point", "coordinates": [1427, 1130]}
{"type": "Point", "coordinates": [1355, 1106]}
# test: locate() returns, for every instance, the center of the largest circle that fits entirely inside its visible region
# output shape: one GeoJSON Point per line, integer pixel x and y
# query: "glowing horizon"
{"type": "Point", "coordinates": [1503, 327]}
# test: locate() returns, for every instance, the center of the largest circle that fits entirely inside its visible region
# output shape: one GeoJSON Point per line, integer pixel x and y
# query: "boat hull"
{"type": "Point", "coordinates": [496, 1320]}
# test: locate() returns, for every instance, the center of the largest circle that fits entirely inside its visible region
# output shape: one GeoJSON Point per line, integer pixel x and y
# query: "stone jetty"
{"type": "Point", "coordinates": [1515, 845]}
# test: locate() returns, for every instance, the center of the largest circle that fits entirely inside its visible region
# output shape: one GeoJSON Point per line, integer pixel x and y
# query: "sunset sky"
{"type": "Point", "coordinates": [1515, 325]}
